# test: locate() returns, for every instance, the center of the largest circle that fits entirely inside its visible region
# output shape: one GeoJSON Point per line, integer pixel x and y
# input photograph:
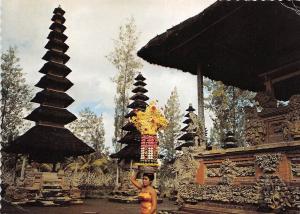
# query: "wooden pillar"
{"type": "Point", "coordinates": [131, 165]}
{"type": "Point", "coordinates": [200, 95]}
{"type": "Point", "coordinates": [117, 177]}
{"type": "Point", "coordinates": [23, 167]}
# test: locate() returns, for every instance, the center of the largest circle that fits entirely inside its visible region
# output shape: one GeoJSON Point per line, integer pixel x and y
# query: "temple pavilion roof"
{"type": "Point", "coordinates": [241, 43]}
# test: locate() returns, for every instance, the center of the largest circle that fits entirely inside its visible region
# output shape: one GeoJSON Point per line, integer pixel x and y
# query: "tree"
{"type": "Point", "coordinates": [123, 57]}
{"type": "Point", "coordinates": [227, 103]}
{"type": "Point", "coordinates": [90, 129]}
{"type": "Point", "coordinates": [15, 97]}
{"type": "Point", "coordinates": [168, 137]}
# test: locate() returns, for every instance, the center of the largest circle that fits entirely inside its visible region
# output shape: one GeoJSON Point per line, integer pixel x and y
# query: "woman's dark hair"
{"type": "Point", "coordinates": [149, 175]}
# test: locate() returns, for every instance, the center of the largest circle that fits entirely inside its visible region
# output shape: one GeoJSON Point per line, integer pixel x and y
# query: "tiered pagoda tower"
{"type": "Point", "coordinates": [189, 135]}
{"type": "Point", "coordinates": [49, 141]}
{"type": "Point", "coordinates": [133, 137]}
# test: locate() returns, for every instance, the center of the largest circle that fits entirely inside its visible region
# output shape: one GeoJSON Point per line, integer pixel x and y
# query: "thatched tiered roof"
{"type": "Point", "coordinates": [133, 137]}
{"type": "Point", "coordinates": [48, 141]}
{"type": "Point", "coordinates": [188, 136]}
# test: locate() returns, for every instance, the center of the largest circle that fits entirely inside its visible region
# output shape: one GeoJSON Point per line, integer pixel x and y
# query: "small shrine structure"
{"type": "Point", "coordinates": [49, 141]}
{"type": "Point", "coordinates": [131, 152]}
{"type": "Point", "coordinates": [132, 138]}
{"type": "Point", "coordinates": [188, 137]}
{"type": "Point", "coordinates": [254, 46]}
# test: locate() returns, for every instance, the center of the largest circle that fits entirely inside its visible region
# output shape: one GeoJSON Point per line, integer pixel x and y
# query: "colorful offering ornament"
{"type": "Point", "coordinates": [148, 123]}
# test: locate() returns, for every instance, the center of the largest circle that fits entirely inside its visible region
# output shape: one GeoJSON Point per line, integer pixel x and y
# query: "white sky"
{"type": "Point", "coordinates": [91, 27]}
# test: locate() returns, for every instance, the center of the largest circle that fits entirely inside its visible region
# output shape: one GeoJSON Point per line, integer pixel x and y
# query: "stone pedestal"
{"type": "Point", "coordinates": [44, 188]}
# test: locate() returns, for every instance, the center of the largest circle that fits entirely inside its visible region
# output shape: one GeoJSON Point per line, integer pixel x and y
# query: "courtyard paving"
{"type": "Point", "coordinates": [90, 206]}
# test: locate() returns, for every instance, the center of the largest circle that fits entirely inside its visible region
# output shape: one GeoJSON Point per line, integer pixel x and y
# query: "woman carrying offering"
{"type": "Point", "coordinates": [147, 195]}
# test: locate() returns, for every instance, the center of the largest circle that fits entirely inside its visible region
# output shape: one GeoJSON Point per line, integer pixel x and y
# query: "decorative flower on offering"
{"type": "Point", "coordinates": [148, 123]}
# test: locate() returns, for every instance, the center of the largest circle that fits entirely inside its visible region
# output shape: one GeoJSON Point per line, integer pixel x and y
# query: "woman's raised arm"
{"type": "Point", "coordinates": [134, 181]}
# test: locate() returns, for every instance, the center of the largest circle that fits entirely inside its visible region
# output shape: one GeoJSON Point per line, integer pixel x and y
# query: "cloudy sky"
{"type": "Point", "coordinates": [91, 27]}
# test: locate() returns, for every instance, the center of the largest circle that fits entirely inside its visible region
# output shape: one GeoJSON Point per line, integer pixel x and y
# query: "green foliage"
{"type": "Point", "coordinates": [227, 103]}
{"type": "Point", "coordinates": [90, 128]}
{"type": "Point", "coordinates": [15, 97]}
{"type": "Point", "coordinates": [123, 57]}
{"type": "Point", "coordinates": [168, 137]}
{"type": "Point", "coordinates": [88, 163]}
{"type": "Point", "coordinates": [15, 104]}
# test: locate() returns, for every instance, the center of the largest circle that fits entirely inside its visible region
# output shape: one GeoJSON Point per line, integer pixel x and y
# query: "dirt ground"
{"type": "Point", "coordinates": [90, 206]}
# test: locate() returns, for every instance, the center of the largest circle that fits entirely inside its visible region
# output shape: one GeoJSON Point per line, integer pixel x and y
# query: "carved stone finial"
{"type": "Point", "coordinates": [266, 100]}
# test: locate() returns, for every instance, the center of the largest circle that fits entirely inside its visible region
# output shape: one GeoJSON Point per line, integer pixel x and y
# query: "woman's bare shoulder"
{"type": "Point", "coordinates": [152, 191]}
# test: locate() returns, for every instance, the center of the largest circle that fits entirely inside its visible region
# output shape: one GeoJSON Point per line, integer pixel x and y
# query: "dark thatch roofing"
{"type": "Point", "coordinates": [50, 55]}
{"type": "Point", "coordinates": [139, 96]}
{"type": "Point", "coordinates": [129, 127]}
{"type": "Point", "coordinates": [139, 89]}
{"type": "Point", "coordinates": [59, 10]}
{"type": "Point", "coordinates": [55, 68]}
{"type": "Point", "coordinates": [130, 114]}
{"type": "Point", "coordinates": [235, 42]}
{"type": "Point", "coordinates": [188, 144]}
{"type": "Point", "coordinates": [48, 144]}
{"type": "Point", "coordinates": [190, 108]}
{"type": "Point", "coordinates": [50, 114]}
{"type": "Point", "coordinates": [59, 17]}
{"type": "Point", "coordinates": [129, 152]}
{"type": "Point", "coordinates": [140, 83]}
{"type": "Point", "coordinates": [53, 82]}
{"type": "Point", "coordinates": [138, 104]}
{"type": "Point", "coordinates": [57, 45]}
{"type": "Point", "coordinates": [187, 121]}
{"type": "Point", "coordinates": [187, 136]}
{"type": "Point", "coordinates": [56, 25]}
{"type": "Point", "coordinates": [140, 77]}
{"type": "Point", "coordinates": [55, 98]}
{"type": "Point", "coordinates": [133, 137]}
{"type": "Point", "coordinates": [57, 35]}
{"type": "Point", "coordinates": [184, 129]}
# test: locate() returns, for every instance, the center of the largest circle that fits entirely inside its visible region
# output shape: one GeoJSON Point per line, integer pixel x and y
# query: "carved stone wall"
{"type": "Point", "coordinates": [250, 179]}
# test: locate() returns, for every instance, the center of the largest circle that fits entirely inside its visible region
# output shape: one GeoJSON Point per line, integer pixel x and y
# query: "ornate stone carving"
{"type": "Point", "coordinates": [213, 172]}
{"type": "Point", "coordinates": [219, 193]}
{"type": "Point", "coordinates": [265, 100]}
{"type": "Point", "coordinates": [196, 126]}
{"type": "Point", "coordinates": [296, 169]}
{"type": "Point", "coordinates": [186, 167]}
{"type": "Point", "coordinates": [240, 171]}
{"type": "Point", "coordinates": [255, 130]}
{"type": "Point", "coordinates": [296, 196]}
{"type": "Point", "coordinates": [244, 171]}
{"type": "Point", "coordinates": [292, 126]}
{"type": "Point", "coordinates": [268, 162]}
{"type": "Point", "coordinates": [269, 193]}
{"type": "Point", "coordinates": [228, 172]}
{"type": "Point", "coordinates": [274, 193]}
